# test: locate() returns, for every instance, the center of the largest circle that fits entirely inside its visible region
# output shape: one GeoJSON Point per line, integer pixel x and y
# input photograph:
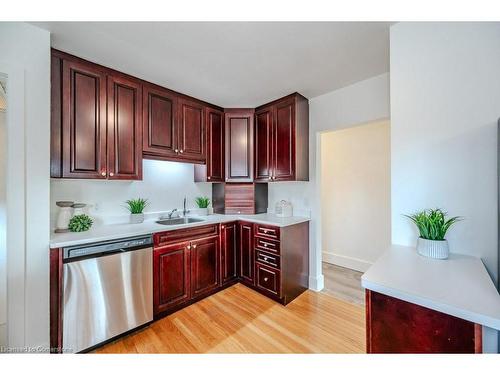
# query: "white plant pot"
{"type": "Point", "coordinates": [199, 211]}
{"type": "Point", "coordinates": [136, 218]}
{"type": "Point", "coordinates": [433, 249]}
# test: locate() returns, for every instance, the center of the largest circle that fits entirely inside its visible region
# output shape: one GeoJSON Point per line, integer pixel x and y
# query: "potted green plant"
{"type": "Point", "coordinates": [203, 203]}
{"type": "Point", "coordinates": [433, 225]}
{"type": "Point", "coordinates": [80, 223]}
{"type": "Point", "coordinates": [136, 208]}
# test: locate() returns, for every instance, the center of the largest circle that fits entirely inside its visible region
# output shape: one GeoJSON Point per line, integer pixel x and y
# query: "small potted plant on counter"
{"type": "Point", "coordinates": [80, 223]}
{"type": "Point", "coordinates": [136, 208]}
{"type": "Point", "coordinates": [433, 225]}
{"type": "Point", "coordinates": [203, 203]}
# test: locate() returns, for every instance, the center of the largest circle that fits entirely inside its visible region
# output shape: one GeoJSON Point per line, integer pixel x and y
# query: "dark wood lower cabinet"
{"type": "Point", "coordinates": [171, 276]}
{"type": "Point", "coordinates": [229, 253]}
{"type": "Point", "coordinates": [245, 234]}
{"type": "Point", "coordinates": [396, 326]}
{"type": "Point", "coordinates": [205, 265]}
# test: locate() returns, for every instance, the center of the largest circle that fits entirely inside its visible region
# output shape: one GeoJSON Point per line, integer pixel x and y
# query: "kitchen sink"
{"type": "Point", "coordinates": [179, 221]}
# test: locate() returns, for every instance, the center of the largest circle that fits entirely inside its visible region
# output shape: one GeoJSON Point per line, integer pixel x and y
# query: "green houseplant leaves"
{"type": "Point", "coordinates": [433, 224]}
{"type": "Point", "coordinates": [80, 223]}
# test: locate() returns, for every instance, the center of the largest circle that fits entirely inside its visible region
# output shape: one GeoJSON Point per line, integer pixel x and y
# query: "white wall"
{"type": "Point", "coordinates": [3, 244]}
{"type": "Point", "coordinates": [26, 48]}
{"type": "Point", "coordinates": [164, 184]}
{"type": "Point", "coordinates": [445, 103]}
{"type": "Point", "coordinates": [362, 102]}
{"type": "Point", "coordinates": [356, 195]}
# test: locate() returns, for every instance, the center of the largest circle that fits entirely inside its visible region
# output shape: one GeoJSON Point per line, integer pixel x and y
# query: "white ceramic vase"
{"type": "Point", "coordinates": [433, 249]}
{"type": "Point", "coordinates": [136, 218]}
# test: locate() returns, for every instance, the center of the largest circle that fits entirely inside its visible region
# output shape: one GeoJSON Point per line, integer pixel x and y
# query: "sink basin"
{"type": "Point", "coordinates": [179, 221]}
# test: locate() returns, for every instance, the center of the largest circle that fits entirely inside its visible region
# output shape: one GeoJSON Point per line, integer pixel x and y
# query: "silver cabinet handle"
{"type": "Point", "coordinates": [265, 258]}
{"type": "Point", "coordinates": [111, 174]}
{"type": "Point", "coordinates": [265, 279]}
{"type": "Point", "coordinates": [208, 178]}
{"type": "Point", "coordinates": [103, 173]}
{"type": "Point", "coordinates": [181, 151]}
{"type": "Point", "coordinates": [194, 246]}
{"type": "Point", "coordinates": [265, 244]}
{"type": "Point", "coordinates": [176, 151]}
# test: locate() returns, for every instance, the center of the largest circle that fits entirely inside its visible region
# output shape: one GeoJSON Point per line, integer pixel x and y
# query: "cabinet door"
{"type": "Point", "coordinates": [83, 120]}
{"type": "Point", "coordinates": [159, 122]}
{"type": "Point", "coordinates": [205, 269]}
{"type": "Point", "coordinates": [171, 276]}
{"type": "Point", "coordinates": [191, 131]}
{"type": "Point", "coordinates": [246, 252]}
{"type": "Point", "coordinates": [239, 146]}
{"type": "Point", "coordinates": [215, 145]}
{"type": "Point", "coordinates": [263, 144]}
{"type": "Point", "coordinates": [284, 141]}
{"type": "Point", "coordinates": [124, 128]}
{"type": "Point", "coordinates": [228, 252]}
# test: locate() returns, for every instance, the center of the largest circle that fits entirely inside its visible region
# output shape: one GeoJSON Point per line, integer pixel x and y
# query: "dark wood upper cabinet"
{"type": "Point", "coordinates": [205, 265]}
{"type": "Point", "coordinates": [171, 277]}
{"type": "Point", "coordinates": [191, 131]}
{"type": "Point", "coordinates": [239, 125]}
{"type": "Point", "coordinates": [245, 234]}
{"type": "Point", "coordinates": [263, 144]}
{"type": "Point", "coordinates": [229, 254]}
{"type": "Point", "coordinates": [79, 134]}
{"type": "Point", "coordinates": [282, 140]}
{"type": "Point", "coordinates": [159, 122]}
{"type": "Point", "coordinates": [124, 128]}
{"type": "Point", "coordinates": [214, 169]}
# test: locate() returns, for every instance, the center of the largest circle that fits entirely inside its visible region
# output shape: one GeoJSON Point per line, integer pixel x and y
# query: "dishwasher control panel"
{"type": "Point", "coordinates": [106, 247]}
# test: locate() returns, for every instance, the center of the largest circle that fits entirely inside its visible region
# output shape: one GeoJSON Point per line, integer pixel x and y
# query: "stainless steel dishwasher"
{"type": "Point", "coordinates": [108, 290]}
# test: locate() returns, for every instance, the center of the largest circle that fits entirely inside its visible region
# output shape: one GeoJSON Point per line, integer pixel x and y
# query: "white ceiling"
{"type": "Point", "coordinates": [233, 64]}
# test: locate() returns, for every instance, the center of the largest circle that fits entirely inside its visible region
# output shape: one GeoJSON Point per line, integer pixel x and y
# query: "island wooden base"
{"type": "Point", "coordinates": [396, 326]}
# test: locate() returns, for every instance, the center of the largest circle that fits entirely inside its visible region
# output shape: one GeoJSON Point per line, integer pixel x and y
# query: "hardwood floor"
{"type": "Point", "coordinates": [343, 283]}
{"type": "Point", "coordinates": [240, 320]}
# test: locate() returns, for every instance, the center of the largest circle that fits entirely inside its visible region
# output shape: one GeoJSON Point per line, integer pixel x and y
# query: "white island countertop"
{"type": "Point", "coordinates": [117, 231]}
{"type": "Point", "coordinates": [459, 286]}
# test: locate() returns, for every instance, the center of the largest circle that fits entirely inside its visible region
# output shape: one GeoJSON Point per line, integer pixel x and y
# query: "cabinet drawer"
{"type": "Point", "coordinates": [239, 210]}
{"type": "Point", "coordinates": [268, 279]}
{"type": "Point", "coordinates": [269, 259]}
{"type": "Point", "coordinates": [267, 231]}
{"type": "Point", "coordinates": [178, 235]}
{"type": "Point", "coordinates": [267, 245]}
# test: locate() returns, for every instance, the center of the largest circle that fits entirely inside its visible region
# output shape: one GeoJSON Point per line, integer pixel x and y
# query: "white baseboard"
{"type": "Point", "coordinates": [316, 283]}
{"type": "Point", "coordinates": [345, 261]}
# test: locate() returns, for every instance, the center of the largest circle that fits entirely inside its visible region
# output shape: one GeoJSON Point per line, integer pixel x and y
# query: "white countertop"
{"type": "Point", "coordinates": [116, 231]}
{"type": "Point", "coordinates": [459, 286]}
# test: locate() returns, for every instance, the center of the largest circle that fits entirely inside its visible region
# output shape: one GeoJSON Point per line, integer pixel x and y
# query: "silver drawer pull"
{"type": "Point", "coordinates": [265, 258]}
{"type": "Point", "coordinates": [189, 247]}
{"type": "Point", "coordinates": [194, 246]}
{"type": "Point", "coordinates": [265, 279]}
{"type": "Point", "coordinates": [265, 244]}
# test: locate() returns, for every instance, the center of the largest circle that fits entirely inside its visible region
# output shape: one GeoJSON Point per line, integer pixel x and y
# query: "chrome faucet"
{"type": "Point", "coordinates": [184, 211]}
{"type": "Point", "coordinates": [169, 214]}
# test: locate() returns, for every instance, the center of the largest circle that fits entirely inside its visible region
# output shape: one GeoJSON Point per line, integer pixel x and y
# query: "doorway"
{"type": "Point", "coordinates": [355, 205]}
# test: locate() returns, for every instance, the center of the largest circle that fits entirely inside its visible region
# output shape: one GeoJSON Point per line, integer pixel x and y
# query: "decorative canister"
{"type": "Point", "coordinates": [64, 216]}
{"type": "Point", "coordinates": [433, 249]}
{"type": "Point", "coordinates": [283, 208]}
